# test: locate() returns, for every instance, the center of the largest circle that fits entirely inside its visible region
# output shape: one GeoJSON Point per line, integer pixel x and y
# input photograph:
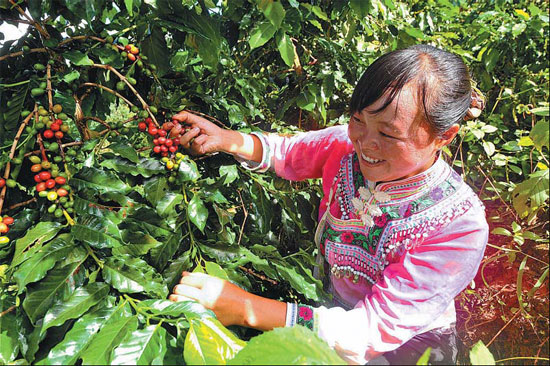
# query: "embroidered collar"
{"type": "Point", "coordinates": [397, 188]}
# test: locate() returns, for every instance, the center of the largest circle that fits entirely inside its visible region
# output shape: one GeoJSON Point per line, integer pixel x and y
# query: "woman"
{"type": "Point", "coordinates": [400, 233]}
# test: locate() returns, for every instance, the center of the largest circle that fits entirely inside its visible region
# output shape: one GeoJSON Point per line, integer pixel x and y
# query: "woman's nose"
{"type": "Point", "coordinates": [369, 141]}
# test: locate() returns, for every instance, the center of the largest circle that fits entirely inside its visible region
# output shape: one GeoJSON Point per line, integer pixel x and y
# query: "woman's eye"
{"type": "Point", "coordinates": [388, 136]}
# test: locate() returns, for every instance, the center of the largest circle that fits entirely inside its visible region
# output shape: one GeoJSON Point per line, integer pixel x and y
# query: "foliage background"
{"type": "Point", "coordinates": [271, 65]}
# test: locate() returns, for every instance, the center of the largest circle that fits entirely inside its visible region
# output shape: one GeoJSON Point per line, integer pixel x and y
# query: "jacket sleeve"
{"type": "Point", "coordinates": [301, 156]}
{"type": "Point", "coordinates": [413, 293]}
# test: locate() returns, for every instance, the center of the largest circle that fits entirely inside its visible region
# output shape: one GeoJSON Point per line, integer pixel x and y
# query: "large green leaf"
{"type": "Point", "coordinates": [144, 167]}
{"type": "Point", "coordinates": [166, 206]}
{"type": "Point", "coordinates": [125, 150]}
{"type": "Point", "coordinates": [480, 355]}
{"type": "Point", "coordinates": [99, 180]}
{"type": "Point", "coordinates": [68, 351]}
{"type": "Point", "coordinates": [137, 243]}
{"type": "Point", "coordinates": [187, 171]}
{"type": "Point", "coordinates": [145, 346]}
{"type": "Point", "coordinates": [99, 351]}
{"type": "Point", "coordinates": [77, 304]}
{"type": "Point", "coordinates": [197, 212]}
{"type": "Point", "coordinates": [97, 232]}
{"type": "Point", "coordinates": [273, 11]}
{"type": "Point", "coordinates": [540, 134]}
{"type": "Point", "coordinates": [9, 342]}
{"type": "Point", "coordinates": [78, 58]}
{"type": "Point", "coordinates": [532, 193]}
{"type": "Point", "coordinates": [133, 275]}
{"type": "Point", "coordinates": [41, 295]}
{"type": "Point", "coordinates": [36, 237]}
{"type": "Point", "coordinates": [209, 342]}
{"type": "Point", "coordinates": [161, 254]}
{"type": "Point", "coordinates": [287, 346]}
{"type": "Point", "coordinates": [261, 34]}
{"type": "Point", "coordinates": [35, 268]}
{"type": "Point", "coordinates": [155, 48]}
{"type": "Point", "coordinates": [155, 189]}
{"type": "Point", "coordinates": [286, 48]}
{"type": "Point", "coordinates": [166, 308]}
{"type": "Point", "coordinates": [361, 7]}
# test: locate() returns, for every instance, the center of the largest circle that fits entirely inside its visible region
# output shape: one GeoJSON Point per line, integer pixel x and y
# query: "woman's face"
{"type": "Point", "coordinates": [394, 143]}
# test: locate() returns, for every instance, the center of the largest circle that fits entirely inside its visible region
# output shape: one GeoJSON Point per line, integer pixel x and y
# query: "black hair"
{"type": "Point", "coordinates": [442, 79]}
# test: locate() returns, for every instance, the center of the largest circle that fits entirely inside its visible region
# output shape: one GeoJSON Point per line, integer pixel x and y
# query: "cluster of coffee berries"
{"type": "Point", "coordinates": [54, 128]}
{"type": "Point", "coordinates": [5, 222]}
{"type": "Point", "coordinates": [165, 139]}
{"type": "Point", "coordinates": [131, 52]}
{"type": "Point", "coordinates": [51, 184]}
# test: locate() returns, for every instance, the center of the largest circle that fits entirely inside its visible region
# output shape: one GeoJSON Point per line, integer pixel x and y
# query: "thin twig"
{"type": "Point", "coordinates": [69, 144]}
{"type": "Point", "coordinates": [244, 220]}
{"type": "Point", "coordinates": [80, 38]}
{"type": "Point", "coordinates": [213, 119]}
{"type": "Point", "coordinates": [99, 120]}
{"type": "Point", "coordinates": [12, 154]}
{"type": "Point", "coordinates": [49, 86]}
{"type": "Point", "coordinates": [498, 194]}
{"type": "Point", "coordinates": [20, 53]}
{"type": "Point", "coordinates": [262, 277]}
{"type": "Point", "coordinates": [8, 310]}
{"type": "Point", "coordinates": [37, 25]}
{"type": "Point", "coordinates": [504, 327]}
{"type": "Point", "coordinates": [110, 91]}
{"type": "Point", "coordinates": [20, 204]}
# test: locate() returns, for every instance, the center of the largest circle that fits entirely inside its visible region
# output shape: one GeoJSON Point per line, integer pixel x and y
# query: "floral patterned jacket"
{"type": "Point", "coordinates": [395, 254]}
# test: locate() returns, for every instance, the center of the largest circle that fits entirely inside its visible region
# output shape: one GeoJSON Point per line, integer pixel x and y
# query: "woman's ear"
{"type": "Point", "coordinates": [447, 136]}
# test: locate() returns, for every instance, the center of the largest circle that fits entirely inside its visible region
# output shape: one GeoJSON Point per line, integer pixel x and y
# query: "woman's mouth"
{"type": "Point", "coordinates": [370, 160]}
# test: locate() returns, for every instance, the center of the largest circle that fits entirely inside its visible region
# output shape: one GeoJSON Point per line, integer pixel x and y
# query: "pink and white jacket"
{"type": "Point", "coordinates": [396, 254]}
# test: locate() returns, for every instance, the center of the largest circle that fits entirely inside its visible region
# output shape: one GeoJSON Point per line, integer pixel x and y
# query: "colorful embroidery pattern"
{"type": "Point", "coordinates": [305, 316]}
{"type": "Point", "coordinates": [417, 207]}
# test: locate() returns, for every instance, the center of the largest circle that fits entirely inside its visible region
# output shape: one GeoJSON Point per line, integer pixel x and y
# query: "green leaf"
{"type": "Point", "coordinates": [297, 281]}
{"type": "Point", "coordinates": [133, 275]}
{"type": "Point", "coordinates": [9, 332]}
{"type": "Point", "coordinates": [166, 206]}
{"type": "Point", "coordinates": [261, 34]}
{"type": "Point", "coordinates": [541, 111]}
{"type": "Point", "coordinates": [41, 295]}
{"type": "Point", "coordinates": [230, 172]}
{"type": "Point", "coordinates": [161, 254]}
{"type": "Point", "coordinates": [188, 171]}
{"type": "Point", "coordinates": [180, 60]}
{"type": "Point", "coordinates": [361, 7]}
{"type": "Point", "coordinates": [425, 358]}
{"type": "Point", "coordinates": [144, 167]}
{"type": "Point", "coordinates": [101, 181]}
{"type": "Point", "coordinates": [35, 268]}
{"type": "Point", "coordinates": [98, 232]}
{"type": "Point", "coordinates": [209, 342]}
{"type": "Point", "coordinates": [9, 348]}
{"type": "Point", "coordinates": [71, 76]}
{"type": "Point", "coordinates": [77, 304]}
{"type": "Point", "coordinates": [37, 236]}
{"type": "Point", "coordinates": [188, 309]}
{"type": "Point", "coordinates": [125, 150]}
{"type": "Point", "coordinates": [532, 193]}
{"type": "Point", "coordinates": [136, 243]}
{"type": "Point", "coordinates": [129, 4]}
{"type": "Point", "coordinates": [540, 134]}
{"type": "Point", "coordinates": [82, 333]}
{"type": "Point", "coordinates": [480, 355]}
{"type": "Point", "coordinates": [155, 189]}
{"type": "Point", "coordinates": [518, 29]}
{"type": "Point", "coordinates": [286, 48]}
{"type": "Point", "coordinates": [489, 147]}
{"type": "Point", "coordinates": [142, 347]}
{"type": "Point", "coordinates": [197, 212]}
{"type": "Point", "coordinates": [414, 32]}
{"type": "Point", "coordinates": [501, 231]}
{"type": "Point", "coordinates": [287, 346]}
{"type": "Point", "coordinates": [78, 58]}
{"type": "Point", "coordinates": [214, 269]}
{"type": "Point", "coordinates": [155, 48]}
{"type": "Point", "coordinates": [110, 335]}
{"type": "Point", "coordinates": [273, 11]}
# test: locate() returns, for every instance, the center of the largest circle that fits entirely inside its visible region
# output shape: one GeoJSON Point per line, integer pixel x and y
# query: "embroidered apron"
{"type": "Point", "coordinates": [364, 241]}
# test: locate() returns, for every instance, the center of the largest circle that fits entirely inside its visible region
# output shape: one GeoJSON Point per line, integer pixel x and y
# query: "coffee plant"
{"type": "Point", "coordinates": [102, 209]}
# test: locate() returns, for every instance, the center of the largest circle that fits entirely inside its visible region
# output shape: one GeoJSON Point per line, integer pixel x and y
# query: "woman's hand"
{"type": "Point", "coordinates": [231, 304]}
{"type": "Point", "coordinates": [203, 136]}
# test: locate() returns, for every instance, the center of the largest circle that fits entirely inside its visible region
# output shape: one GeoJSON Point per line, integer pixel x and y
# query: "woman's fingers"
{"type": "Point", "coordinates": [179, 298]}
{"type": "Point", "coordinates": [194, 279]}
{"type": "Point", "coordinates": [186, 138]}
{"type": "Point", "coordinates": [187, 291]}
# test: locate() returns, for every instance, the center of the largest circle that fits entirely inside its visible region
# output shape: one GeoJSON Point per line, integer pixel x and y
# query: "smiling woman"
{"type": "Point", "coordinates": [400, 234]}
